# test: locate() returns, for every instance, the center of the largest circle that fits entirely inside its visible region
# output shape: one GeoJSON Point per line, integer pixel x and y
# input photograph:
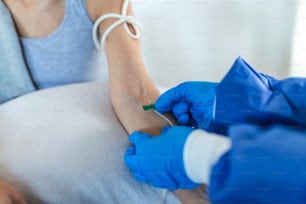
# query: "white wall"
{"type": "Point", "coordinates": [298, 60]}
{"type": "Point", "coordinates": [200, 39]}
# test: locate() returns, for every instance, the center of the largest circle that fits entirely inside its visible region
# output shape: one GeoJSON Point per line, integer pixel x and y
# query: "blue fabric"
{"type": "Point", "coordinates": [159, 160]}
{"type": "Point", "coordinates": [264, 165]}
{"type": "Point", "coordinates": [192, 103]}
{"type": "Point", "coordinates": [14, 77]}
{"type": "Point", "coordinates": [245, 96]}
{"type": "Point", "coordinates": [64, 56]}
{"type": "Point", "coordinates": [267, 161]}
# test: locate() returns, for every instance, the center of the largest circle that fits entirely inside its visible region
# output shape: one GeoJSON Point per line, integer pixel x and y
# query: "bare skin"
{"type": "Point", "coordinates": [36, 18]}
{"type": "Point", "coordinates": [130, 84]}
{"type": "Point", "coordinates": [9, 195]}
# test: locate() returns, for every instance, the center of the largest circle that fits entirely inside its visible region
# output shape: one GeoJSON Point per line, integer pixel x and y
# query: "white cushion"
{"type": "Point", "coordinates": [65, 145]}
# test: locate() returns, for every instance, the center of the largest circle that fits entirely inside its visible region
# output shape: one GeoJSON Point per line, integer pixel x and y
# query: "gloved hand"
{"type": "Point", "coordinates": [192, 103]}
{"type": "Point", "coordinates": [159, 160]}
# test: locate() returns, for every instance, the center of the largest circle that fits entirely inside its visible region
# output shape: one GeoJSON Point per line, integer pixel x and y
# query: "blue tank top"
{"type": "Point", "coordinates": [67, 55]}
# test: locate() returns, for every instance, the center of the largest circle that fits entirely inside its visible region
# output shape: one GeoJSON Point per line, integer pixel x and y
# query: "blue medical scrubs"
{"type": "Point", "coordinates": [265, 119]}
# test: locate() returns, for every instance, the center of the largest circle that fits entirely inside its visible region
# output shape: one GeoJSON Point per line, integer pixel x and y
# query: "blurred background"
{"type": "Point", "coordinates": [200, 39]}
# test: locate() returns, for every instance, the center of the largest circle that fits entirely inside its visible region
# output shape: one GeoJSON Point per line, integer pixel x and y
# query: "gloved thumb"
{"type": "Point", "coordinates": [139, 177]}
{"type": "Point", "coordinates": [131, 161]}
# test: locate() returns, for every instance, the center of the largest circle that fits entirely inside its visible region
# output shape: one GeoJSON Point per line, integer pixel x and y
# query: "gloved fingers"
{"type": "Point", "coordinates": [140, 177]}
{"type": "Point", "coordinates": [135, 137]}
{"type": "Point", "coordinates": [167, 100]}
{"type": "Point", "coordinates": [180, 108]}
{"type": "Point", "coordinates": [183, 119]}
{"type": "Point", "coordinates": [131, 161]}
{"type": "Point", "coordinates": [131, 150]}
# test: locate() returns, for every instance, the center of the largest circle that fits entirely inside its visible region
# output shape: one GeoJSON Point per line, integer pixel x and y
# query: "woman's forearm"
{"type": "Point", "coordinates": [131, 87]}
{"type": "Point", "coordinates": [129, 92]}
{"type": "Point", "coordinates": [130, 84]}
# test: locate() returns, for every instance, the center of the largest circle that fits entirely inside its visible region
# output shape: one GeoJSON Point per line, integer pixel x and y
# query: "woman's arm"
{"type": "Point", "coordinates": [130, 84]}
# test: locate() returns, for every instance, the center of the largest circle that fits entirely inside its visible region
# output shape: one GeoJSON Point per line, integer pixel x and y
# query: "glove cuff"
{"type": "Point", "coordinates": [201, 152]}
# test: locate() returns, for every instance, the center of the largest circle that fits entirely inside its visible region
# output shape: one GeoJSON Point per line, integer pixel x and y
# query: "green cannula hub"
{"type": "Point", "coordinates": [148, 107]}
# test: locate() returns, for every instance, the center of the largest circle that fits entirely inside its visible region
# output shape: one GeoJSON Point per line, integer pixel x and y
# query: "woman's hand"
{"type": "Point", "coordinates": [9, 195]}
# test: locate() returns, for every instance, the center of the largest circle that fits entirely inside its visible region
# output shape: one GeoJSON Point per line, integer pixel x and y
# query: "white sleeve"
{"type": "Point", "coordinates": [202, 151]}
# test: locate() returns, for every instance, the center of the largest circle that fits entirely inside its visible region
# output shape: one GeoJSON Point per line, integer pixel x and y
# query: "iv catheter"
{"type": "Point", "coordinates": [151, 106]}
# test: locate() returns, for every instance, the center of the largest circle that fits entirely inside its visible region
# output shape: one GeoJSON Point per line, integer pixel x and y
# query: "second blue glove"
{"type": "Point", "coordinates": [159, 160]}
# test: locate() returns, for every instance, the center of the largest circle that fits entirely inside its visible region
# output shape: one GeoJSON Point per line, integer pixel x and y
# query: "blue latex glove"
{"type": "Point", "coordinates": [192, 103]}
{"type": "Point", "coordinates": [159, 160]}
